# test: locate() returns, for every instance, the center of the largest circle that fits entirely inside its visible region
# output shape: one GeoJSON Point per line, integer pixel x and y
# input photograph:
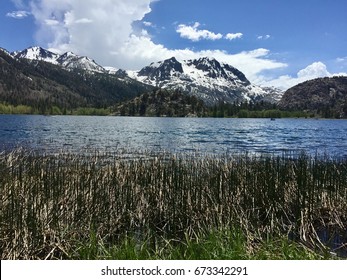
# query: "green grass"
{"type": "Point", "coordinates": [19, 109]}
{"type": "Point", "coordinates": [172, 206]}
{"type": "Point", "coordinates": [218, 245]}
{"type": "Point", "coordinates": [52, 110]}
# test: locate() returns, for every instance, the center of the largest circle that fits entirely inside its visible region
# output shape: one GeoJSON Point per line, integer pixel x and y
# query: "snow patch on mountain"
{"type": "Point", "coordinates": [68, 60]}
{"type": "Point", "coordinates": [205, 78]}
{"type": "Point", "coordinates": [37, 53]}
{"type": "Point", "coordinates": [111, 70]}
{"type": "Point", "coordinates": [6, 52]}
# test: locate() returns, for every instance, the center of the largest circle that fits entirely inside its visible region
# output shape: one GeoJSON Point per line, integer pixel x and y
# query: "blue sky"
{"type": "Point", "coordinates": [274, 42]}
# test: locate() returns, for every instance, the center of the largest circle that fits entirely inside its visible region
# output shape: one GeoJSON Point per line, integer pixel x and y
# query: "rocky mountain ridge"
{"type": "Point", "coordinates": [41, 78]}
{"type": "Point", "coordinates": [206, 78]}
{"type": "Point", "coordinates": [43, 85]}
{"type": "Point", "coordinates": [326, 97]}
{"type": "Point", "coordinates": [67, 60]}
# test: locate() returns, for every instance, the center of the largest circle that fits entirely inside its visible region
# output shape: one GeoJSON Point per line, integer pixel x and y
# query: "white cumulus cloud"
{"type": "Point", "coordinates": [193, 33]}
{"type": "Point", "coordinates": [51, 22]}
{"type": "Point", "coordinates": [18, 14]}
{"type": "Point", "coordinates": [315, 70]}
{"type": "Point", "coordinates": [91, 27]}
{"type": "Point", "coordinates": [251, 63]}
{"type": "Point", "coordinates": [83, 20]}
{"type": "Point", "coordinates": [264, 37]}
{"type": "Point", "coordinates": [233, 36]}
{"type": "Point", "coordinates": [147, 23]}
{"type": "Point", "coordinates": [103, 30]}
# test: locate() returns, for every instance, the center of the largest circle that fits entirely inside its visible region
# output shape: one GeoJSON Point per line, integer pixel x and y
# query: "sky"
{"type": "Point", "coordinates": [273, 42]}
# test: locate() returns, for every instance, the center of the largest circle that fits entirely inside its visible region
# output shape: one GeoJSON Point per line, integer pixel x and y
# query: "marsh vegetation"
{"type": "Point", "coordinates": [110, 205]}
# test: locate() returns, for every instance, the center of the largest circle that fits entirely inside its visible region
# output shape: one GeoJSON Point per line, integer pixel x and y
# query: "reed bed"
{"type": "Point", "coordinates": [50, 203]}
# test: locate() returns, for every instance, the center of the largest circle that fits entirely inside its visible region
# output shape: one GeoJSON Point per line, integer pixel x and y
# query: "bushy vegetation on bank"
{"type": "Point", "coordinates": [60, 206]}
{"type": "Point", "coordinates": [163, 103]}
{"type": "Point", "coordinates": [175, 104]}
{"type": "Point", "coordinates": [53, 110]}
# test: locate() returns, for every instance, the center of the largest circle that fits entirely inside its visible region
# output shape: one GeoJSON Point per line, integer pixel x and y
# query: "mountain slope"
{"type": "Point", "coordinates": [324, 96]}
{"type": "Point", "coordinates": [67, 60]}
{"type": "Point", "coordinates": [161, 103]}
{"type": "Point", "coordinates": [41, 85]}
{"type": "Point", "coordinates": [206, 78]}
{"type": "Point", "coordinates": [37, 53]}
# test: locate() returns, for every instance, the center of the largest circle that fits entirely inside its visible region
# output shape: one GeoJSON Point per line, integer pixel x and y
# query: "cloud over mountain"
{"type": "Point", "coordinates": [130, 34]}
{"type": "Point", "coordinates": [105, 31]}
{"type": "Point", "coordinates": [193, 33]}
{"type": "Point", "coordinates": [87, 27]}
{"type": "Point", "coordinates": [315, 70]}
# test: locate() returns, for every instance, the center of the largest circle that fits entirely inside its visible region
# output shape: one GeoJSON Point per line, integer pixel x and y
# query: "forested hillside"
{"type": "Point", "coordinates": [162, 103]}
{"type": "Point", "coordinates": [325, 97]}
{"type": "Point", "coordinates": [42, 85]}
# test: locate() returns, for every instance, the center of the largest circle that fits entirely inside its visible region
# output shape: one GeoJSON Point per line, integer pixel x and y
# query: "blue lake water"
{"type": "Point", "coordinates": [206, 135]}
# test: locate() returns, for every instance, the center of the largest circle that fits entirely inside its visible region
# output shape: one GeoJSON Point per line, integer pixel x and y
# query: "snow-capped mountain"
{"type": "Point", "coordinates": [6, 51]}
{"type": "Point", "coordinates": [37, 53]}
{"type": "Point", "coordinates": [111, 70]}
{"type": "Point", "coordinates": [67, 60]}
{"type": "Point", "coordinates": [70, 60]}
{"type": "Point", "coordinates": [273, 94]}
{"type": "Point", "coordinates": [205, 78]}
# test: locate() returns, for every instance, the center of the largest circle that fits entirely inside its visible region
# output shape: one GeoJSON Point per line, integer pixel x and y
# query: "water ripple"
{"type": "Point", "coordinates": [174, 134]}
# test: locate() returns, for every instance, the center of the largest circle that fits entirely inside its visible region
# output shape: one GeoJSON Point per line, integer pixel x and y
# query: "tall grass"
{"type": "Point", "coordinates": [49, 203]}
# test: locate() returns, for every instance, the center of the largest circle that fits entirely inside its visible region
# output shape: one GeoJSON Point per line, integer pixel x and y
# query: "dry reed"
{"type": "Point", "coordinates": [49, 201]}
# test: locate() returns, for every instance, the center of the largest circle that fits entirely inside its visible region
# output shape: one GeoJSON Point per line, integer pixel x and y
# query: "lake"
{"type": "Point", "coordinates": [205, 135]}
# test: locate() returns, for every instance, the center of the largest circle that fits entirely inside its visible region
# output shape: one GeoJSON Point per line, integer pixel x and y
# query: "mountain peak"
{"type": "Point", "coordinates": [172, 59]}
{"type": "Point", "coordinates": [204, 77]}
{"type": "Point", "coordinates": [206, 59]}
{"type": "Point", "coordinates": [68, 60]}
{"type": "Point", "coordinates": [37, 53]}
{"type": "Point", "coordinates": [68, 54]}
{"type": "Point", "coordinates": [162, 70]}
{"type": "Point", "coordinates": [209, 65]}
